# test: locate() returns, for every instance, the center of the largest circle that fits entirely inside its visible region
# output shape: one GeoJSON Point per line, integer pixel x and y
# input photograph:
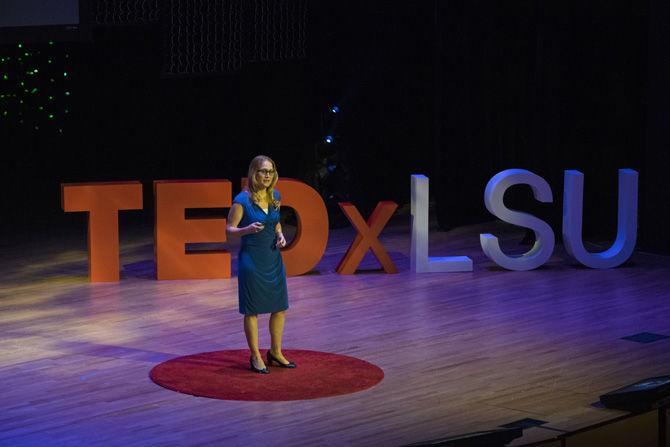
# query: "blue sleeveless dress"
{"type": "Point", "coordinates": [261, 277]}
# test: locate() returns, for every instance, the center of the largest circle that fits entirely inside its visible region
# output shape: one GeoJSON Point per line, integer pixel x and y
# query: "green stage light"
{"type": "Point", "coordinates": [27, 95]}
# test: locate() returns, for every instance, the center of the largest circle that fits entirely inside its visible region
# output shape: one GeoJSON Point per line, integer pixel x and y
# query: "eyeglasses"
{"type": "Point", "coordinates": [265, 172]}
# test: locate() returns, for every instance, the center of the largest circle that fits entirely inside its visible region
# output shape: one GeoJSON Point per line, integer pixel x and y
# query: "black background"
{"type": "Point", "coordinates": [455, 90]}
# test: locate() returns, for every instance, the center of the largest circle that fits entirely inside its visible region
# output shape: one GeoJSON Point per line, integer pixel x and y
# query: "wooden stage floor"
{"type": "Point", "coordinates": [461, 352]}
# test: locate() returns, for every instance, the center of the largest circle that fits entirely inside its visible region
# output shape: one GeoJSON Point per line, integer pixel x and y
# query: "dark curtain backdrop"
{"type": "Point", "coordinates": [655, 212]}
{"type": "Point", "coordinates": [545, 86]}
{"type": "Point", "coordinates": [127, 122]}
{"type": "Point", "coordinates": [457, 90]}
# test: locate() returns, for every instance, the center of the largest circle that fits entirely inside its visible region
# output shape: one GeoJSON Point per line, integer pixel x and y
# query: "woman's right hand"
{"type": "Point", "coordinates": [255, 227]}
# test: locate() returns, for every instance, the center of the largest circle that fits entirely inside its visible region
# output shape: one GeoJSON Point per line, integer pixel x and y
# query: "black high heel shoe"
{"type": "Point", "coordinates": [272, 358]}
{"type": "Point", "coordinates": [254, 369]}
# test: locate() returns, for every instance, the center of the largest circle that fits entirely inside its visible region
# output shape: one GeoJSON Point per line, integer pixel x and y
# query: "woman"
{"type": "Point", "coordinates": [261, 276]}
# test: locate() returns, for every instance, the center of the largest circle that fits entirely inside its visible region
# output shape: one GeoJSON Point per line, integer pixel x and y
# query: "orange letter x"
{"type": "Point", "coordinates": [367, 237]}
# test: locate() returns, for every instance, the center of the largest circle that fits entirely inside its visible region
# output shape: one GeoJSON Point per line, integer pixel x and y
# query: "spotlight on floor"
{"type": "Point", "coordinates": [491, 438]}
{"type": "Point", "coordinates": [641, 396]}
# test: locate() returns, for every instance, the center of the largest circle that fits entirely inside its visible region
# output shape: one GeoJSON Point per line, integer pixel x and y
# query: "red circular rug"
{"type": "Point", "coordinates": [226, 375]}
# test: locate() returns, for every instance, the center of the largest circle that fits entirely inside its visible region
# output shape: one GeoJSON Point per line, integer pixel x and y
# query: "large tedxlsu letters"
{"type": "Point", "coordinates": [173, 230]}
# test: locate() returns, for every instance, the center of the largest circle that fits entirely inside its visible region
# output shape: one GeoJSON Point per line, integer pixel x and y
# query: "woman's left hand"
{"type": "Point", "coordinates": [281, 241]}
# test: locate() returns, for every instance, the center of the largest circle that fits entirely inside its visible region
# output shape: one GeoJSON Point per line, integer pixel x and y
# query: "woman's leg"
{"type": "Point", "coordinates": [276, 332]}
{"type": "Point", "coordinates": [251, 332]}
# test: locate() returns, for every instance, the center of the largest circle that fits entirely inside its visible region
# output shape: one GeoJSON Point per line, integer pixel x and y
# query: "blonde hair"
{"type": "Point", "coordinates": [255, 188]}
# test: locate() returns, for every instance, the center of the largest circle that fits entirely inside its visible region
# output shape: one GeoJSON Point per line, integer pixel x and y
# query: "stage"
{"type": "Point", "coordinates": [460, 352]}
